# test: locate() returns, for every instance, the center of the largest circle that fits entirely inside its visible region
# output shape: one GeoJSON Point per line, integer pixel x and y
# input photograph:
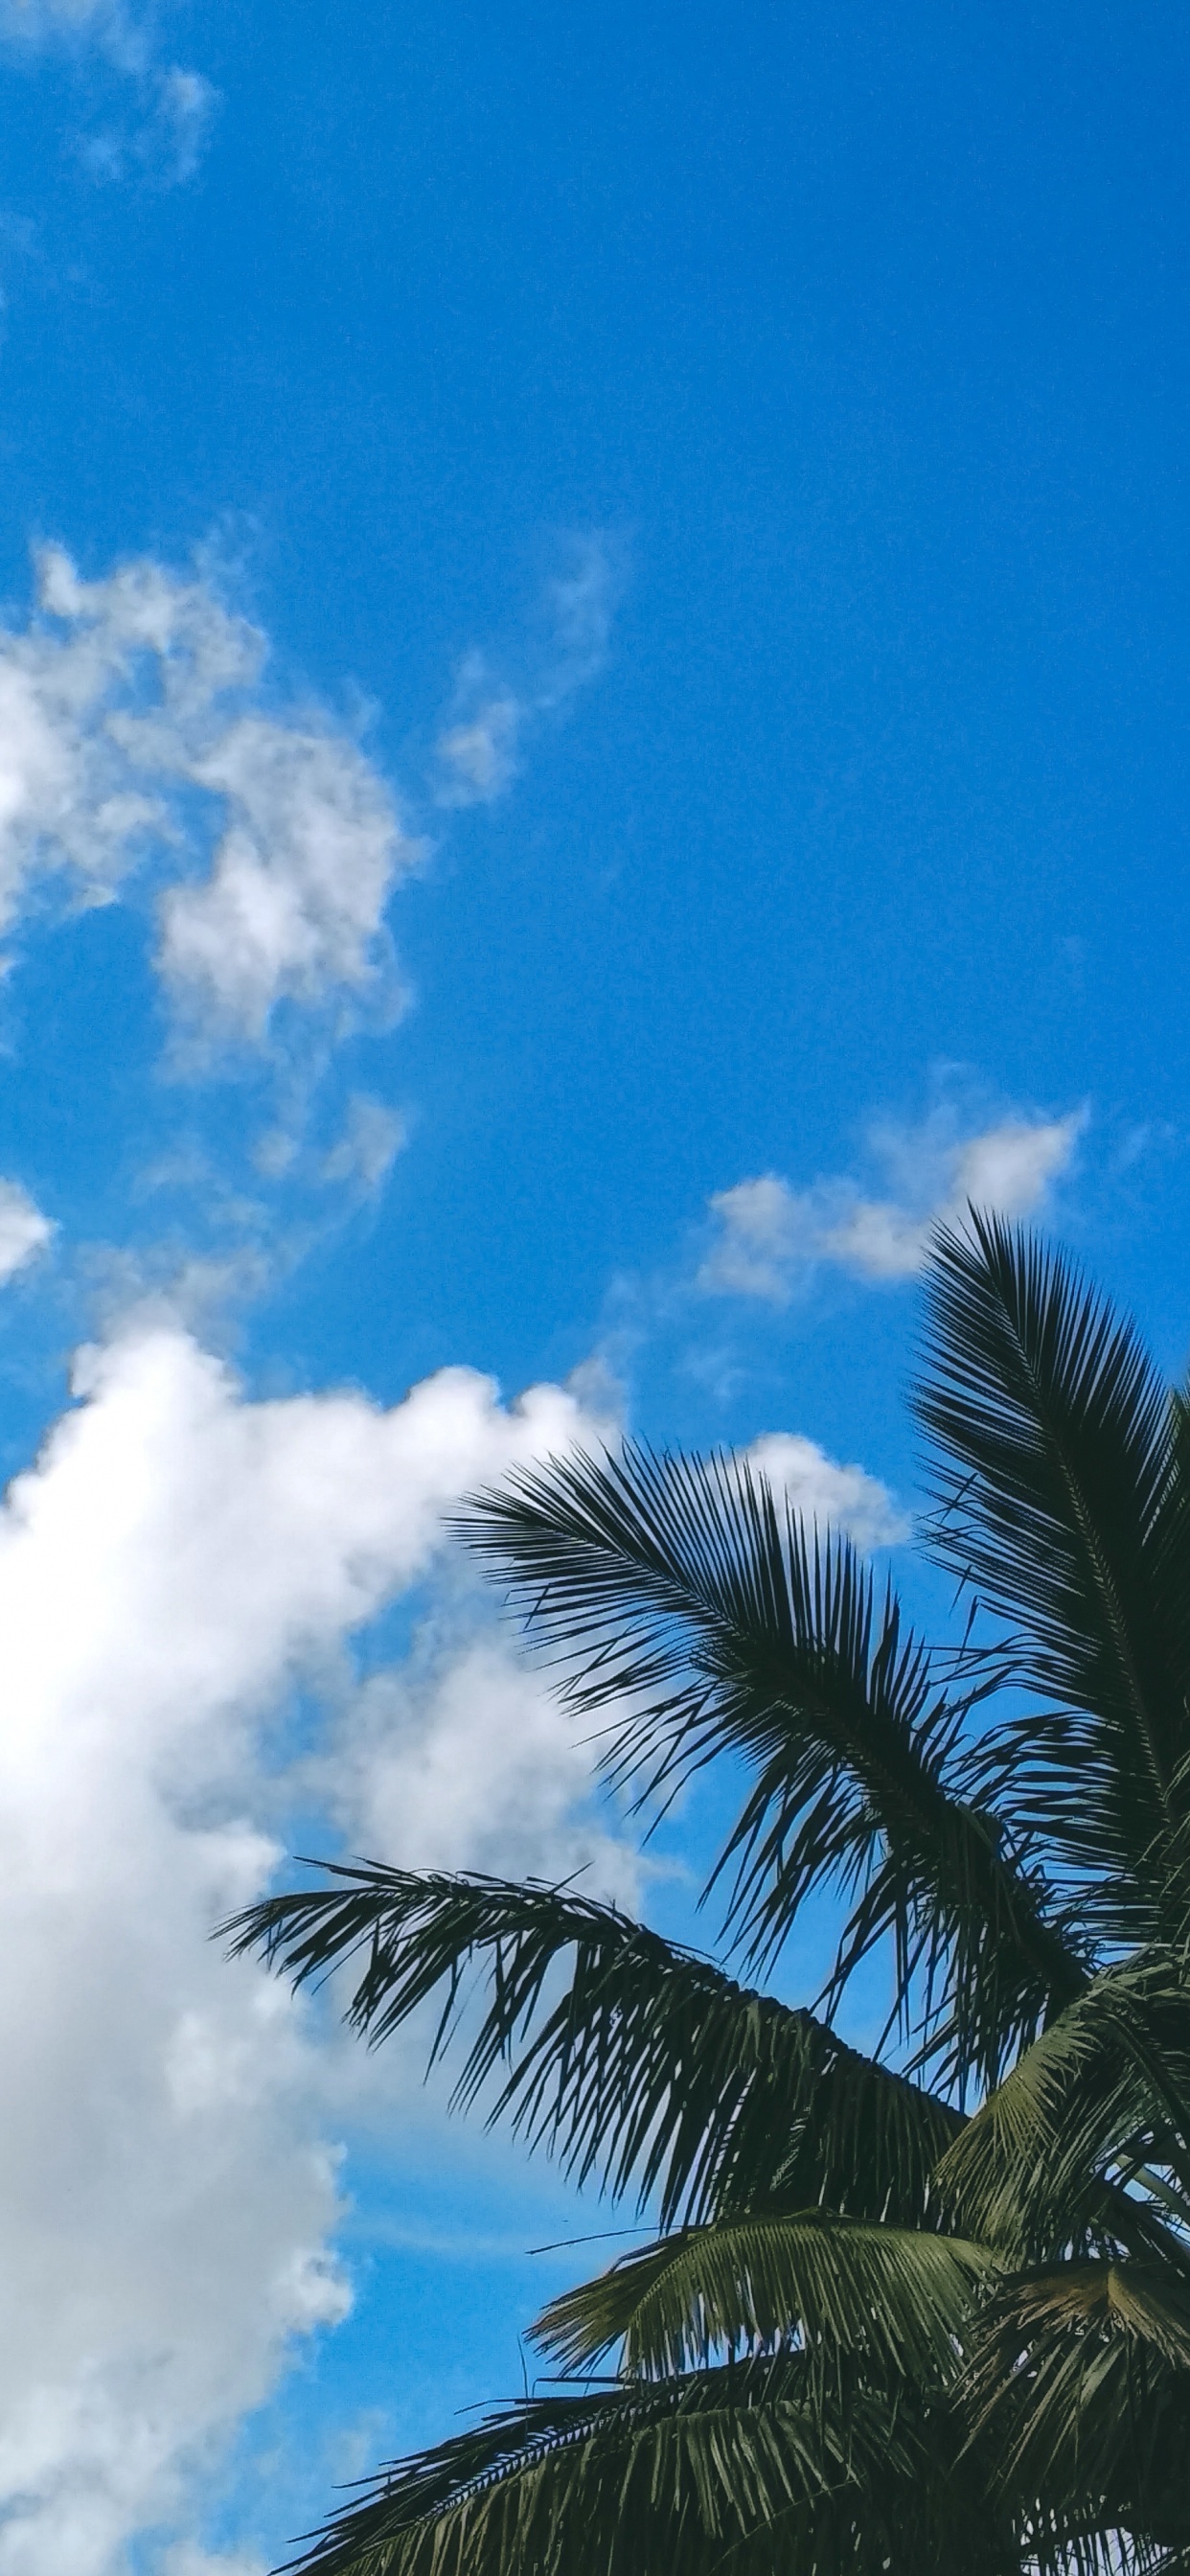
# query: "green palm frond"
{"type": "Point", "coordinates": [1079, 2386]}
{"type": "Point", "coordinates": [899, 2296]}
{"type": "Point", "coordinates": [1063, 1500]}
{"type": "Point", "coordinates": [636, 2063]}
{"type": "Point", "coordinates": [675, 1589]}
{"type": "Point", "coordinates": [724, 2470]}
{"type": "Point", "coordinates": [1089, 2134]}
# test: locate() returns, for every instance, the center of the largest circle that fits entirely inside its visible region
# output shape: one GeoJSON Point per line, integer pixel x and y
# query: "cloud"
{"type": "Point", "coordinates": [178, 1559]}
{"type": "Point", "coordinates": [768, 1235]}
{"type": "Point", "coordinates": [368, 1147]}
{"type": "Point", "coordinates": [174, 107]}
{"type": "Point", "coordinates": [33, 24]}
{"type": "Point", "coordinates": [188, 2560]}
{"type": "Point", "coordinates": [469, 1761]}
{"type": "Point", "coordinates": [294, 904]}
{"type": "Point", "coordinates": [135, 727]}
{"type": "Point", "coordinates": [820, 1490]}
{"type": "Point", "coordinates": [762, 1233]}
{"type": "Point", "coordinates": [477, 753]}
{"type": "Point", "coordinates": [168, 143]}
{"type": "Point", "coordinates": [184, 113]}
{"type": "Point", "coordinates": [24, 1231]}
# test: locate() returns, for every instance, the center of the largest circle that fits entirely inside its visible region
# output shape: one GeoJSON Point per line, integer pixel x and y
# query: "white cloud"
{"type": "Point", "coordinates": [470, 1762]}
{"type": "Point", "coordinates": [767, 1234]}
{"type": "Point", "coordinates": [821, 1490]}
{"type": "Point", "coordinates": [175, 1560]}
{"type": "Point", "coordinates": [135, 724]}
{"type": "Point", "coordinates": [763, 1230]}
{"type": "Point", "coordinates": [294, 904]}
{"type": "Point", "coordinates": [24, 1231]}
{"type": "Point", "coordinates": [478, 750]}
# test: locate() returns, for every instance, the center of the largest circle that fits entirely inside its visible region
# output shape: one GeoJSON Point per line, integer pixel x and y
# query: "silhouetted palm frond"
{"type": "Point", "coordinates": [1062, 1502]}
{"type": "Point", "coordinates": [678, 1590]}
{"type": "Point", "coordinates": [636, 2063]}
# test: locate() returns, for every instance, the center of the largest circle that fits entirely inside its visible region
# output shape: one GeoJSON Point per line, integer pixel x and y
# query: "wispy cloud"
{"type": "Point", "coordinates": [24, 1231]}
{"type": "Point", "coordinates": [769, 1235]}
{"type": "Point", "coordinates": [370, 1142]}
{"type": "Point", "coordinates": [166, 141]}
{"type": "Point", "coordinates": [165, 131]}
{"type": "Point", "coordinates": [137, 726]}
{"type": "Point", "coordinates": [478, 752]}
{"type": "Point", "coordinates": [106, 25]}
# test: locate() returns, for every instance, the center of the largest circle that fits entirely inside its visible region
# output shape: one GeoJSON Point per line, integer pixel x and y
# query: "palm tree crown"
{"type": "Point", "coordinates": [898, 2317]}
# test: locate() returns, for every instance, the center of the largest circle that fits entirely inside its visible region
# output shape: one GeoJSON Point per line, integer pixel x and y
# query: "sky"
{"type": "Point", "coordinates": [593, 735]}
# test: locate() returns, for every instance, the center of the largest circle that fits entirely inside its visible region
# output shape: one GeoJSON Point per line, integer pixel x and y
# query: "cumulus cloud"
{"type": "Point", "coordinates": [135, 725]}
{"type": "Point", "coordinates": [470, 1762]}
{"type": "Point", "coordinates": [24, 1231]}
{"type": "Point", "coordinates": [478, 750]}
{"type": "Point", "coordinates": [768, 1235]}
{"type": "Point", "coordinates": [819, 1489]}
{"type": "Point", "coordinates": [175, 1561]}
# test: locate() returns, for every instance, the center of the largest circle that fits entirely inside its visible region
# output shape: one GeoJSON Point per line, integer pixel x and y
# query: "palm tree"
{"type": "Point", "coordinates": [921, 2310]}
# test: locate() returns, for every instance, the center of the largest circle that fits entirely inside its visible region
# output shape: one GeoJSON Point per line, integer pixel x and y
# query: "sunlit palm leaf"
{"type": "Point", "coordinates": [635, 2062]}
{"type": "Point", "coordinates": [1080, 2385]}
{"type": "Point", "coordinates": [1102, 2096]}
{"type": "Point", "coordinates": [900, 2296]}
{"type": "Point", "coordinates": [676, 1588]}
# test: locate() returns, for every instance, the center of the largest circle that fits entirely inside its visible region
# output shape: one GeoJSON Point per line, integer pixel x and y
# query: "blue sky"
{"type": "Point", "coordinates": [593, 684]}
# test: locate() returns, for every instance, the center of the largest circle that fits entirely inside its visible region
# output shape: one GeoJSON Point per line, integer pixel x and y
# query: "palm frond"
{"type": "Point", "coordinates": [901, 2297]}
{"type": "Point", "coordinates": [1079, 2387]}
{"type": "Point", "coordinates": [675, 1589]}
{"type": "Point", "coordinates": [636, 2063]}
{"type": "Point", "coordinates": [723, 2470]}
{"type": "Point", "coordinates": [1064, 1502]}
{"type": "Point", "coordinates": [1088, 2136]}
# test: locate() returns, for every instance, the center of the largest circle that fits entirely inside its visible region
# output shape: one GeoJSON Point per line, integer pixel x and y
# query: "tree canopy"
{"type": "Point", "coordinates": [927, 2308]}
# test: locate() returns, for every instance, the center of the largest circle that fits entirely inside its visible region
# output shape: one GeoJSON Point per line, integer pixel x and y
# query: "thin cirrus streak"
{"type": "Point", "coordinates": [479, 750]}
